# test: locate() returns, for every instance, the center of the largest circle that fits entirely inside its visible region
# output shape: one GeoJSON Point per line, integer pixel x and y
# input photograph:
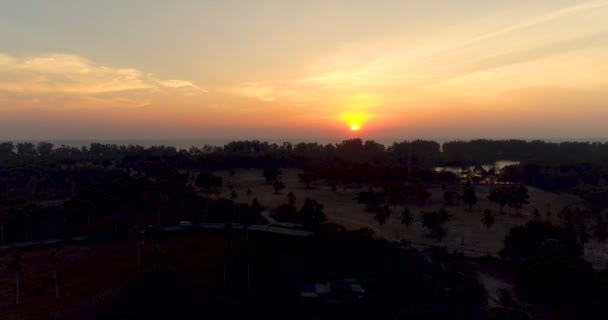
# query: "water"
{"type": "Point", "coordinates": [499, 165]}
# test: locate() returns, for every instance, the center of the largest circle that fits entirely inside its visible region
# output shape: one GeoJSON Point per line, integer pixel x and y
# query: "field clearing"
{"type": "Point", "coordinates": [465, 231]}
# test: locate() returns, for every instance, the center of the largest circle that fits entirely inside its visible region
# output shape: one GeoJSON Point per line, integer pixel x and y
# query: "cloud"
{"type": "Point", "coordinates": [537, 20]}
{"type": "Point", "coordinates": [404, 69]}
{"type": "Point", "coordinates": [180, 84]}
{"type": "Point", "coordinates": [264, 91]}
{"type": "Point", "coordinates": [77, 79]}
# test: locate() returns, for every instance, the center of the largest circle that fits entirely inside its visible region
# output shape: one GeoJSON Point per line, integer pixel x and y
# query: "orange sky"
{"type": "Point", "coordinates": [289, 69]}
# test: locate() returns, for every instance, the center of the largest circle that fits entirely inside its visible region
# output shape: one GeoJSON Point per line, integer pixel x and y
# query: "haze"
{"type": "Point", "coordinates": [303, 69]}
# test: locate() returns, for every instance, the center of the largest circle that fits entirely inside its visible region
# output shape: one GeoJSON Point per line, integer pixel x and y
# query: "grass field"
{"type": "Point", "coordinates": [465, 229]}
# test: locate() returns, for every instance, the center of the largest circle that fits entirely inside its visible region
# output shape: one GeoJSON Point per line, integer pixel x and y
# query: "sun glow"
{"type": "Point", "coordinates": [355, 120]}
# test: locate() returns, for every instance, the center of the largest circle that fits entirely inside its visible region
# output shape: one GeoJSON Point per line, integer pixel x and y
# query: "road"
{"type": "Point", "coordinates": [279, 229]}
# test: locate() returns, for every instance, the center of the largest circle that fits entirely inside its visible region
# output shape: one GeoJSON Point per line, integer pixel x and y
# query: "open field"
{"type": "Point", "coordinates": [465, 229]}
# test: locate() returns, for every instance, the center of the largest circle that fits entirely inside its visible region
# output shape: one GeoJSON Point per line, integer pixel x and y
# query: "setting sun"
{"type": "Point", "coordinates": [355, 120]}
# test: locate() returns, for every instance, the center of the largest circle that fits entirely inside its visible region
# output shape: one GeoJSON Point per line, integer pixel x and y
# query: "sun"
{"type": "Point", "coordinates": [355, 120]}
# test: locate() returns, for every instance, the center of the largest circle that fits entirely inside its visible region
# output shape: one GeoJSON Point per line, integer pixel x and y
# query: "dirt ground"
{"type": "Point", "coordinates": [465, 229]}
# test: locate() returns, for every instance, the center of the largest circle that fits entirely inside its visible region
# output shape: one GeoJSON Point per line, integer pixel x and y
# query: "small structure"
{"type": "Point", "coordinates": [337, 291]}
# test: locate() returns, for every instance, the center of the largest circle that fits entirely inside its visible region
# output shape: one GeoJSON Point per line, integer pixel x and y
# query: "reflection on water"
{"type": "Point", "coordinates": [499, 165]}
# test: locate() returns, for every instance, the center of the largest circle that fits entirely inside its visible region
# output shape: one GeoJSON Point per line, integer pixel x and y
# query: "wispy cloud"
{"type": "Point", "coordinates": [403, 68]}
{"type": "Point", "coordinates": [534, 21]}
{"type": "Point", "coordinates": [72, 74]}
{"type": "Point", "coordinates": [64, 81]}
{"type": "Point", "coordinates": [180, 84]}
{"type": "Point", "coordinates": [271, 91]}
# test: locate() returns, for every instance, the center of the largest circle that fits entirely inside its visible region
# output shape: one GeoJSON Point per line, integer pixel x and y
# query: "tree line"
{"type": "Point", "coordinates": [432, 153]}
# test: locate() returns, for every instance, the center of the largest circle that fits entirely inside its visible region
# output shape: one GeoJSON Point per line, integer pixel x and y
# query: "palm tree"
{"type": "Point", "coordinates": [233, 197]}
{"type": "Point", "coordinates": [406, 218]}
{"type": "Point", "coordinates": [256, 209]}
{"type": "Point", "coordinates": [469, 197]}
{"type": "Point", "coordinates": [16, 266]}
{"type": "Point", "coordinates": [52, 257]}
{"type": "Point", "coordinates": [488, 218]}
{"type": "Point", "coordinates": [387, 211]}
{"type": "Point", "coordinates": [434, 221]}
{"type": "Point", "coordinates": [137, 233]}
{"type": "Point", "coordinates": [380, 217]}
{"type": "Point", "coordinates": [278, 185]}
{"type": "Point", "coordinates": [291, 199]}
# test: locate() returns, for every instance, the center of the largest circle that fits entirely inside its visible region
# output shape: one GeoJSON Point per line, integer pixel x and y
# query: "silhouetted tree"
{"type": "Point", "coordinates": [434, 221]}
{"type": "Point", "coordinates": [500, 195]}
{"type": "Point", "coordinates": [307, 178]}
{"type": "Point", "coordinates": [517, 196]}
{"type": "Point", "coordinates": [233, 197]}
{"type": "Point", "coordinates": [468, 196]}
{"type": "Point", "coordinates": [136, 234]}
{"type": "Point", "coordinates": [380, 218]}
{"type": "Point", "coordinates": [278, 185]}
{"type": "Point", "coordinates": [554, 275]}
{"type": "Point", "coordinates": [523, 242]}
{"type": "Point", "coordinates": [271, 174]}
{"type": "Point", "coordinates": [7, 149]}
{"type": "Point", "coordinates": [536, 214]}
{"type": "Point", "coordinates": [387, 211]}
{"type": "Point", "coordinates": [371, 200]}
{"type": "Point", "coordinates": [291, 199]}
{"type": "Point", "coordinates": [44, 149]}
{"type": "Point", "coordinates": [422, 193]}
{"type": "Point", "coordinates": [488, 218]}
{"type": "Point", "coordinates": [26, 149]}
{"type": "Point", "coordinates": [256, 209]}
{"type": "Point", "coordinates": [451, 198]}
{"type": "Point", "coordinates": [406, 217]}
{"type": "Point", "coordinates": [312, 214]}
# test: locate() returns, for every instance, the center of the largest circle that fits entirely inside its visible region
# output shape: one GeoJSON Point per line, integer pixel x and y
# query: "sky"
{"type": "Point", "coordinates": [139, 69]}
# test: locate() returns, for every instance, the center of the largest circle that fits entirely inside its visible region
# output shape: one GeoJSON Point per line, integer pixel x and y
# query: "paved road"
{"type": "Point", "coordinates": [259, 228]}
{"type": "Point", "coordinates": [272, 221]}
